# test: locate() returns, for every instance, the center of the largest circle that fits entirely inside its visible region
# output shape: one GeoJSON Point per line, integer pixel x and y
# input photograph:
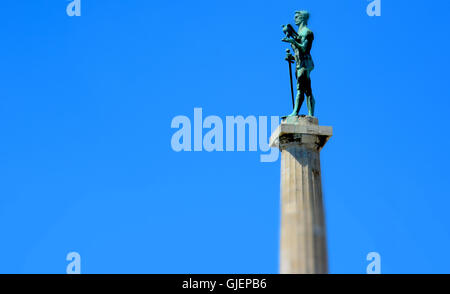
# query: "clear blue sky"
{"type": "Point", "coordinates": [86, 163]}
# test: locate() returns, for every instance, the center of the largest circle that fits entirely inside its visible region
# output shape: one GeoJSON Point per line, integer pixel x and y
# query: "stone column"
{"type": "Point", "coordinates": [303, 248]}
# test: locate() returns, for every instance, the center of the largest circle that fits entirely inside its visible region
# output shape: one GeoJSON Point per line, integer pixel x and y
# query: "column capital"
{"type": "Point", "coordinates": [300, 130]}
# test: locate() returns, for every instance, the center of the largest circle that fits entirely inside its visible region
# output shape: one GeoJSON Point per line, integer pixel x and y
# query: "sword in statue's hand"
{"type": "Point", "coordinates": [290, 59]}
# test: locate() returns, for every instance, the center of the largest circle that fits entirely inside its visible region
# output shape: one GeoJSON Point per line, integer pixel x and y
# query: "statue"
{"type": "Point", "coordinates": [301, 43]}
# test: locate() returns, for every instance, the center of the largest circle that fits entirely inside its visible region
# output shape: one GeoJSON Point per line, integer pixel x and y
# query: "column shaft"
{"type": "Point", "coordinates": [303, 238]}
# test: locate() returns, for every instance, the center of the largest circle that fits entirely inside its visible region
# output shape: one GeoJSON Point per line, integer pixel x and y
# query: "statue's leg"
{"type": "Point", "coordinates": [298, 102]}
{"type": "Point", "coordinates": [300, 93]}
{"type": "Point", "coordinates": [310, 102]}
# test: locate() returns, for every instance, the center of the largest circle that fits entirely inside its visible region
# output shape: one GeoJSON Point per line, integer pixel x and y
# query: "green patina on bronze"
{"type": "Point", "coordinates": [301, 42]}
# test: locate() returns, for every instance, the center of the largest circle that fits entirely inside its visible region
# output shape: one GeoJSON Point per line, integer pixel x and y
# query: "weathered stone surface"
{"type": "Point", "coordinates": [303, 248]}
{"type": "Point", "coordinates": [298, 127]}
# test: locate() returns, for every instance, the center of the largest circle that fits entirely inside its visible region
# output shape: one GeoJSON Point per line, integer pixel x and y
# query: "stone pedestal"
{"type": "Point", "coordinates": [303, 248]}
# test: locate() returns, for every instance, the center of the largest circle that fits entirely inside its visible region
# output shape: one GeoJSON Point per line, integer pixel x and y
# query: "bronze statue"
{"type": "Point", "coordinates": [301, 42]}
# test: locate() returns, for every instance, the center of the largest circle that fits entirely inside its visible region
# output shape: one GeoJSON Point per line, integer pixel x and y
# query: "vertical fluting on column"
{"type": "Point", "coordinates": [303, 240]}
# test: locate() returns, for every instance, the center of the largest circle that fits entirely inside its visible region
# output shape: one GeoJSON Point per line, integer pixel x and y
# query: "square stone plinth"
{"type": "Point", "coordinates": [301, 127]}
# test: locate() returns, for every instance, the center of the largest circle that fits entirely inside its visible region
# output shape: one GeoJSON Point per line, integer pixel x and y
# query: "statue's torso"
{"type": "Point", "coordinates": [304, 59]}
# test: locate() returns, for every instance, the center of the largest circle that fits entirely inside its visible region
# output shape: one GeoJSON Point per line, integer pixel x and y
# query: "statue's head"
{"type": "Point", "coordinates": [301, 17]}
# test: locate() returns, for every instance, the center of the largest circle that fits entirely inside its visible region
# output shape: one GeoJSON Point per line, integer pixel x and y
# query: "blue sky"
{"type": "Point", "coordinates": [86, 163]}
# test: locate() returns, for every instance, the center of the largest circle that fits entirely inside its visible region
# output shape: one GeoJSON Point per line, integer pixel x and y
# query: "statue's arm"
{"type": "Point", "coordinates": [302, 46]}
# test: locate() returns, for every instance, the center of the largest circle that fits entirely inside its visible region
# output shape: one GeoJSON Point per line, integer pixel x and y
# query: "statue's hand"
{"type": "Point", "coordinates": [287, 40]}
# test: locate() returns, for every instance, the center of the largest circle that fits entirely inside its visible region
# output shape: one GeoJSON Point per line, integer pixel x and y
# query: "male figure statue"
{"type": "Point", "coordinates": [301, 44]}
